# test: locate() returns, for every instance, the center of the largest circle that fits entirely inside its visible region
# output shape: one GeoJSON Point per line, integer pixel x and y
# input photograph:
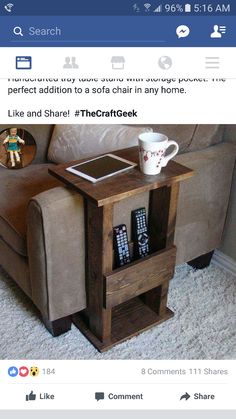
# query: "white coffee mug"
{"type": "Point", "coordinates": [152, 149]}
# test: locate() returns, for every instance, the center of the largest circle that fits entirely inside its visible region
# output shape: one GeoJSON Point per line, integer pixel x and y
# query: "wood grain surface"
{"type": "Point", "coordinates": [124, 185]}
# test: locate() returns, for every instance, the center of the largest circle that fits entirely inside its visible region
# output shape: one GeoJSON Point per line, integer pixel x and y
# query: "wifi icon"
{"type": "Point", "coordinates": [8, 7]}
{"type": "Point", "coordinates": [147, 6]}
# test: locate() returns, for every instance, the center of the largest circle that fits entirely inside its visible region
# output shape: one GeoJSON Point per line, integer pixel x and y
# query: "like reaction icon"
{"type": "Point", "coordinates": [12, 371]}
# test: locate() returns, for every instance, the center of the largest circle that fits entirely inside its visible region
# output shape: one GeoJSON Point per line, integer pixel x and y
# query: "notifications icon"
{"type": "Point", "coordinates": [182, 31]}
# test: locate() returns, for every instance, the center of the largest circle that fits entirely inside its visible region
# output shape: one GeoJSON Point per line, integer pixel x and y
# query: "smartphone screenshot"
{"type": "Point", "coordinates": [117, 209]}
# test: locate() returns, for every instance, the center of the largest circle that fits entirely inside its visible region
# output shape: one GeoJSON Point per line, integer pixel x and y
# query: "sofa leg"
{"type": "Point", "coordinates": [59, 326]}
{"type": "Point", "coordinates": [202, 261]}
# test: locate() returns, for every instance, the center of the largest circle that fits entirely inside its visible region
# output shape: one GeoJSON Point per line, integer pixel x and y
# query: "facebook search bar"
{"type": "Point", "coordinates": [79, 30]}
{"type": "Point", "coordinates": [32, 31]}
{"type": "Point", "coordinates": [116, 31]}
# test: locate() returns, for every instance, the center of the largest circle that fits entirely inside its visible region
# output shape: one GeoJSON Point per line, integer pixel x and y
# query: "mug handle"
{"type": "Point", "coordinates": [171, 155]}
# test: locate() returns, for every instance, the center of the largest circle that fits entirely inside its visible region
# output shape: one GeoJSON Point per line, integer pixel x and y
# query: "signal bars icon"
{"type": "Point", "coordinates": [158, 9]}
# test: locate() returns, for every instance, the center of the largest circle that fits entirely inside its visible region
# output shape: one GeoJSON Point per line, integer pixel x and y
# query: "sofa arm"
{"type": "Point", "coordinates": [55, 240]}
{"type": "Point", "coordinates": [230, 134]}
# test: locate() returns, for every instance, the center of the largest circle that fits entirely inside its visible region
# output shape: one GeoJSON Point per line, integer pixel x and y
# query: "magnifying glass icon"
{"type": "Point", "coordinates": [17, 30]}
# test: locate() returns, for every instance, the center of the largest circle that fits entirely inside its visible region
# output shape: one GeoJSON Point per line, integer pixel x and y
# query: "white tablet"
{"type": "Point", "coordinates": [101, 167]}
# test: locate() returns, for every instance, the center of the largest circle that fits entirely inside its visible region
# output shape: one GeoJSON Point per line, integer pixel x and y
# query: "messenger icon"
{"type": "Point", "coordinates": [182, 31]}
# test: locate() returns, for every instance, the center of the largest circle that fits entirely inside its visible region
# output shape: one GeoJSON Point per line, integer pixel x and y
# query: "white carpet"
{"type": "Point", "coordinates": [204, 325]}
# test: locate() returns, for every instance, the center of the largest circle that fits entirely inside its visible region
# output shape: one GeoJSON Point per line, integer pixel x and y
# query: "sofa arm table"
{"type": "Point", "coordinates": [125, 301]}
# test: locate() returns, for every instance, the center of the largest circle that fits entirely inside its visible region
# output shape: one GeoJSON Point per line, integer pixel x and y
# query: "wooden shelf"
{"type": "Point", "coordinates": [138, 277]}
{"type": "Point", "coordinates": [128, 319]}
{"type": "Point", "coordinates": [126, 301]}
{"type": "Point", "coordinates": [121, 186]}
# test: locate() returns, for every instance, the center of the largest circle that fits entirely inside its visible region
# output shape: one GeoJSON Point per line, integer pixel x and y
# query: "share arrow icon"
{"type": "Point", "coordinates": [185, 396]}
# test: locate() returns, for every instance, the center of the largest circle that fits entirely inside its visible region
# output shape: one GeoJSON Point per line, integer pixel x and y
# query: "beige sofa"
{"type": "Point", "coordinates": [42, 224]}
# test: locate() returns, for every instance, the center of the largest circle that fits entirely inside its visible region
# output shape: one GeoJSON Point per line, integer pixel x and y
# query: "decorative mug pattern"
{"type": "Point", "coordinates": [152, 149]}
{"type": "Point", "coordinates": [147, 154]}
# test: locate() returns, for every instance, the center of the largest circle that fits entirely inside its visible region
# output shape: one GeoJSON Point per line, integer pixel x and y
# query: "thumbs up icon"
{"type": "Point", "coordinates": [30, 396]}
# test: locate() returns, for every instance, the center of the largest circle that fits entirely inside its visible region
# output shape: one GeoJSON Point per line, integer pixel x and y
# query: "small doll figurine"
{"type": "Point", "coordinates": [13, 147]}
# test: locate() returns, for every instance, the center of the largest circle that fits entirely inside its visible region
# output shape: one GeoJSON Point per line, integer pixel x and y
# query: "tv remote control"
{"type": "Point", "coordinates": [121, 245]}
{"type": "Point", "coordinates": [140, 233]}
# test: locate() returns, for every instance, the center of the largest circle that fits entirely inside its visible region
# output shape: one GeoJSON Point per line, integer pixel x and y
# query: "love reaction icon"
{"type": "Point", "coordinates": [23, 371]}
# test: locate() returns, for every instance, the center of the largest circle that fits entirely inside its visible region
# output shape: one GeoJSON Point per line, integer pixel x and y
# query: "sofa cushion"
{"type": "Point", "coordinates": [206, 136]}
{"type": "Point", "coordinates": [16, 188]}
{"type": "Point", "coordinates": [203, 200]}
{"type": "Point", "coordinates": [182, 134]}
{"type": "Point", "coordinates": [73, 142]}
{"type": "Point", "coordinates": [191, 137]}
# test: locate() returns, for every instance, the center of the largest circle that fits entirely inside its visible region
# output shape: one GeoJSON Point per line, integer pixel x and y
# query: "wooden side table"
{"type": "Point", "coordinates": [125, 301]}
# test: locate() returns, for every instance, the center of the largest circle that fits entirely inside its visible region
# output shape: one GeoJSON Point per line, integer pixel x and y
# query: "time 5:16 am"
{"type": "Point", "coordinates": [211, 8]}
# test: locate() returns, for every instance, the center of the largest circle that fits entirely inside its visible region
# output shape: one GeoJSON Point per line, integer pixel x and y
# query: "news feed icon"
{"type": "Point", "coordinates": [23, 63]}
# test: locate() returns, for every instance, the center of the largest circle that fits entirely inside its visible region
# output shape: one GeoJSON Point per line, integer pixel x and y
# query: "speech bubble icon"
{"type": "Point", "coordinates": [99, 396]}
{"type": "Point", "coordinates": [182, 31]}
